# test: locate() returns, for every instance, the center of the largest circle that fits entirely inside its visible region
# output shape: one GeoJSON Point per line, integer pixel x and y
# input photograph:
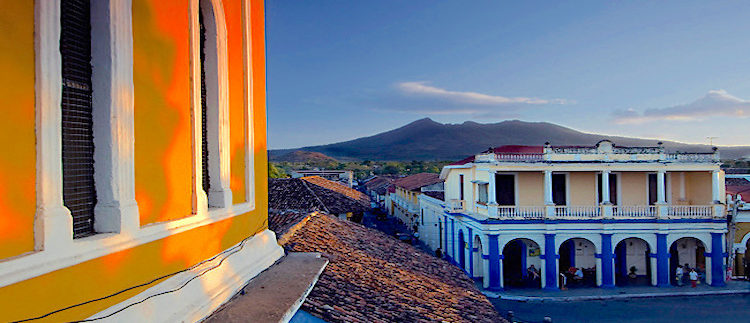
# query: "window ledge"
{"type": "Point", "coordinates": [33, 264]}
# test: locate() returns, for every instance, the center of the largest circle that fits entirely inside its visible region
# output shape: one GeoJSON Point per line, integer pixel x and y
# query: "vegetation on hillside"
{"type": "Point", "coordinates": [364, 169]}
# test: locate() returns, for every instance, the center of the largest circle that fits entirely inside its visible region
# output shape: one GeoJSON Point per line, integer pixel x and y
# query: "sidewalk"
{"type": "Point", "coordinates": [589, 294]}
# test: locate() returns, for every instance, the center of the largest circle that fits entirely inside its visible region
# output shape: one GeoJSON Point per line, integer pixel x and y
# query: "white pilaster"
{"type": "Point", "coordinates": [112, 79]}
{"type": "Point", "coordinates": [661, 195]}
{"type": "Point", "coordinates": [548, 187]}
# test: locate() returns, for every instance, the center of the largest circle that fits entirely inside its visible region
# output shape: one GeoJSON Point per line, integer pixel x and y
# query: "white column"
{"type": "Point", "coordinates": [548, 187]}
{"type": "Point", "coordinates": [492, 197]}
{"type": "Point", "coordinates": [715, 189]}
{"type": "Point", "coordinates": [491, 194]}
{"type": "Point", "coordinates": [605, 187]}
{"type": "Point", "coordinates": [660, 189]}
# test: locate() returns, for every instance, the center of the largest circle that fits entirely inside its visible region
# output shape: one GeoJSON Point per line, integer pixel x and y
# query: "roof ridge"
{"type": "Point", "coordinates": [304, 182]}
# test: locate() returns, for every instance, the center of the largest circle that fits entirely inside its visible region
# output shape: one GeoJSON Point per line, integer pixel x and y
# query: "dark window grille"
{"type": "Point", "coordinates": [79, 193]}
{"type": "Point", "coordinates": [204, 131]}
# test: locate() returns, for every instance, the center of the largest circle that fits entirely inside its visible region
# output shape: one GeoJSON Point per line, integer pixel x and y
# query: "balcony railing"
{"type": "Point", "coordinates": [634, 211]}
{"type": "Point", "coordinates": [597, 212]}
{"type": "Point", "coordinates": [690, 211]}
{"type": "Point", "coordinates": [578, 212]}
{"type": "Point", "coordinates": [521, 212]}
{"type": "Point", "coordinates": [456, 206]}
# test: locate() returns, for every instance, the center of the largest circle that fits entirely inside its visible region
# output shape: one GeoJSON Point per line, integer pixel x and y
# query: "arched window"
{"type": "Point", "coordinates": [206, 180]}
{"type": "Point", "coordinates": [79, 192]}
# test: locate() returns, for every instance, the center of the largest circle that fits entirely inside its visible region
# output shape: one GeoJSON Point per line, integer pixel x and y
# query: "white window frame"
{"type": "Point", "coordinates": [117, 220]}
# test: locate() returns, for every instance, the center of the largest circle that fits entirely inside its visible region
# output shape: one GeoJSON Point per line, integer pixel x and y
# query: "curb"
{"type": "Point", "coordinates": [611, 297]}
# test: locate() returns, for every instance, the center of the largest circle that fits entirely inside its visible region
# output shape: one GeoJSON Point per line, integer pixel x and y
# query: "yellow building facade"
{"type": "Point", "coordinates": [178, 168]}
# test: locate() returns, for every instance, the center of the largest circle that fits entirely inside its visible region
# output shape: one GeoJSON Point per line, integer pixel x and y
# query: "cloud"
{"type": "Point", "coordinates": [423, 98]}
{"type": "Point", "coordinates": [421, 89]}
{"type": "Point", "coordinates": [715, 103]}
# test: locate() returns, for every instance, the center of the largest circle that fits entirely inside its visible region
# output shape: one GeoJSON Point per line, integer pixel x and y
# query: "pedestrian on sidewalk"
{"type": "Point", "coordinates": [693, 278]}
{"type": "Point", "coordinates": [678, 275]}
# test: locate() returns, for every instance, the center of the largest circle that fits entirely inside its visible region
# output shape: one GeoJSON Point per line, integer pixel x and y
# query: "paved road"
{"type": "Point", "coordinates": [730, 308]}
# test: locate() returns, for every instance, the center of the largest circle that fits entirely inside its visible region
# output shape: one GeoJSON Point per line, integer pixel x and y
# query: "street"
{"type": "Point", "coordinates": [724, 308]}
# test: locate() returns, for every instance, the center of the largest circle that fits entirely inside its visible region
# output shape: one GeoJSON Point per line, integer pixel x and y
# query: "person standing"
{"type": "Point", "coordinates": [678, 275]}
{"type": "Point", "coordinates": [693, 278]}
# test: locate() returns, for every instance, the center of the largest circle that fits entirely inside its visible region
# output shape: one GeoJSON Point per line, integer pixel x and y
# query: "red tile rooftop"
{"type": "Point", "coordinates": [373, 277]}
{"type": "Point", "coordinates": [416, 181]}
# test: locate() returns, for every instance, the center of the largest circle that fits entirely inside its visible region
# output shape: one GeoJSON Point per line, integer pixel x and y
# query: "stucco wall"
{"type": "Point", "coordinates": [633, 188]}
{"type": "Point", "coordinates": [698, 187]}
{"type": "Point", "coordinates": [17, 173]}
{"type": "Point", "coordinates": [237, 128]}
{"type": "Point", "coordinates": [161, 84]}
{"type": "Point", "coordinates": [582, 188]}
{"type": "Point", "coordinates": [530, 188]}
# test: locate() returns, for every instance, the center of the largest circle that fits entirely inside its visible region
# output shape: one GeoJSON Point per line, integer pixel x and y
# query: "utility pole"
{"type": "Point", "coordinates": [711, 140]}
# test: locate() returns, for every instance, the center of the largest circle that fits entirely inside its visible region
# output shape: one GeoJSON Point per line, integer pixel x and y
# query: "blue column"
{"type": "Point", "coordinates": [717, 259]}
{"type": "Point", "coordinates": [550, 261]}
{"type": "Point", "coordinates": [662, 260]}
{"type": "Point", "coordinates": [524, 253]}
{"type": "Point", "coordinates": [445, 237]}
{"type": "Point", "coordinates": [494, 253]}
{"type": "Point", "coordinates": [453, 242]}
{"type": "Point", "coordinates": [607, 276]}
{"type": "Point", "coordinates": [471, 254]}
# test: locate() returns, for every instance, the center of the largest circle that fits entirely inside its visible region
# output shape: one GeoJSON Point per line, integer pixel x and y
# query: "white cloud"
{"type": "Point", "coordinates": [715, 103]}
{"type": "Point", "coordinates": [422, 89]}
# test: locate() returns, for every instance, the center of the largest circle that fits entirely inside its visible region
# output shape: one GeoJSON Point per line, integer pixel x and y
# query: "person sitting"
{"type": "Point", "coordinates": [632, 274]}
{"type": "Point", "coordinates": [578, 276]}
{"type": "Point", "coordinates": [532, 273]}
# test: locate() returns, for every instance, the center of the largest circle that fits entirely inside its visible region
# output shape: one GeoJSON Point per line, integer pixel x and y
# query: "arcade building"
{"type": "Point", "coordinates": [620, 215]}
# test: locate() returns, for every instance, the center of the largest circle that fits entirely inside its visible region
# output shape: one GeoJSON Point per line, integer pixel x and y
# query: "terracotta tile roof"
{"type": "Point", "coordinates": [314, 194]}
{"type": "Point", "coordinates": [416, 181]}
{"type": "Point", "coordinates": [281, 221]}
{"type": "Point", "coordinates": [440, 195]}
{"type": "Point", "coordinates": [373, 277]}
{"type": "Point", "coordinates": [379, 185]}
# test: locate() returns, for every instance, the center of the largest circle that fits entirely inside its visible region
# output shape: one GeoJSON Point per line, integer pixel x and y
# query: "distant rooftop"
{"type": "Point", "coordinates": [416, 181]}
{"type": "Point", "coordinates": [313, 193]}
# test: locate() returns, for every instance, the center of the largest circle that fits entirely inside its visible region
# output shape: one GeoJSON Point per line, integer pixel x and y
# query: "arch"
{"type": "Point", "coordinates": [579, 253]}
{"type": "Point", "coordinates": [745, 240]}
{"type": "Point", "coordinates": [594, 238]}
{"type": "Point", "coordinates": [461, 250]}
{"type": "Point", "coordinates": [214, 64]}
{"type": "Point", "coordinates": [687, 250]}
{"type": "Point", "coordinates": [649, 238]}
{"type": "Point", "coordinates": [632, 262]}
{"type": "Point", "coordinates": [704, 238]}
{"type": "Point", "coordinates": [476, 257]}
{"type": "Point", "coordinates": [519, 255]}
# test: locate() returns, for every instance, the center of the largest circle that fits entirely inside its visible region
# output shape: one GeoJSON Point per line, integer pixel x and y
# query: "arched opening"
{"type": "Point", "coordinates": [632, 263]}
{"type": "Point", "coordinates": [461, 250]}
{"type": "Point", "coordinates": [745, 263]}
{"type": "Point", "coordinates": [689, 253]}
{"type": "Point", "coordinates": [578, 262]}
{"type": "Point", "coordinates": [477, 259]}
{"type": "Point", "coordinates": [522, 264]}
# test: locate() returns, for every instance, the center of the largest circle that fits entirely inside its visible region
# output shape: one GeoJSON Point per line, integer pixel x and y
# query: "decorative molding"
{"type": "Point", "coordinates": [213, 283]}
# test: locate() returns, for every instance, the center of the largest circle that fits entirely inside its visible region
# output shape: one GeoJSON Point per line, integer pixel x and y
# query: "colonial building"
{"type": "Point", "coordinates": [738, 202]}
{"type": "Point", "coordinates": [623, 215]}
{"type": "Point", "coordinates": [404, 199]}
{"type": "Point", "coordinates": [133, 179]}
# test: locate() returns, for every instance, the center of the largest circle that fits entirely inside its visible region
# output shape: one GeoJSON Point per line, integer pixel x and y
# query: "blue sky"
{"type": "Point", "coordinates": [339, 70]}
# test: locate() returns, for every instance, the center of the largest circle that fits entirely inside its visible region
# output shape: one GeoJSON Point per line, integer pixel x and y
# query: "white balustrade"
{"type": "Point", "coordinates": [577, 212]}
{"type": "Point", "coordinates": [456, 206]}
{"type": "Point", "coordinates": [521, 212]}
{"type": "Point", "coordinates": [634, 211]}
{"type": "Point", "coordinates": [690, 211]}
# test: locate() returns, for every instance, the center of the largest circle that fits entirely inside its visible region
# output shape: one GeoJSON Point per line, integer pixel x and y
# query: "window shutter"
{"type": "Point", "coordinates": [79, 194]}
{"type": "Point", "coordinates": [204, 130]}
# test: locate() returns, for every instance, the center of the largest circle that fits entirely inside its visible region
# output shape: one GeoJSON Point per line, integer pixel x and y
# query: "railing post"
{"type": "Point", "coordinates": [607, 211]}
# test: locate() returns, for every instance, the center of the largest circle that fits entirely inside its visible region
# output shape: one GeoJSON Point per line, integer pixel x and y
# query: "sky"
{"type": "Point", "coordinates": [340, 70]}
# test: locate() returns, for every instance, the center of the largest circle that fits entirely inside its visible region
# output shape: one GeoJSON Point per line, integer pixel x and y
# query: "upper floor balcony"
{"type": "Point", "coordinates": [590, 212]}
{"type": "Point", "coordinates": [604, 151]}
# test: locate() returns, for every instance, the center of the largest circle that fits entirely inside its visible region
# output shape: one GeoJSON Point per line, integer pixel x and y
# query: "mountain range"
{"type": "Point", "coordinates": [426, 139]}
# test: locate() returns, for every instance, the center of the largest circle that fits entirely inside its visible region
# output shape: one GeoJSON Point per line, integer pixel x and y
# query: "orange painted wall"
{"type": "Point", "coordinates": [161, 76]}
{"type": "Point", "coordinates": [106, 275]}
{"type": "Point", "coordinates": [17, 173]}
{"type": "Point", "coordinates": [233, 11]}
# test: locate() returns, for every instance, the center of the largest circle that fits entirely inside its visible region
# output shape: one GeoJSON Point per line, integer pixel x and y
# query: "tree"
{"type": "Point", "coordinates": [275, 172]}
